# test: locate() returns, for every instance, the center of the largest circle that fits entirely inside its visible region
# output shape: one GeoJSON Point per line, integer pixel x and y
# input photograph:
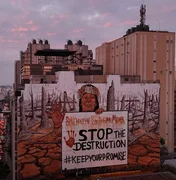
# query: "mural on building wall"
{"type": "Point", "coordinates": [41, 112]}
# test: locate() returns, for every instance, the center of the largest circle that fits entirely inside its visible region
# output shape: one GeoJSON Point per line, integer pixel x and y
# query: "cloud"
{"type": "Point", "coordinates": [25, 29]}
{"type": "Point", "coordinates": [108, 24]}
{"type": "Point", "coordinates": [51, 34]}
{"type": "Point", "coordinates": [78, 30]}
{"type": "Point", "coordinates": [20, 29]}
{"type": "Point", "coordinates": [34, 28]}
{"type": "Point", "coordinates": [62, 16]}
{"type": "Point", "coordinates": [129, 22]}
{"type": "Point", "coordinates": [30, 22]}
{"type": "Point", "coordinates": [132, 7]}
{"type": "Point", "coordinates": [168, 9]}
{"type": "Point", "coordinates": [12, 41]}
{"type": "Point", "coordinates": [52, 16]}
{"type": "Point", "coordinates": [92, 21]}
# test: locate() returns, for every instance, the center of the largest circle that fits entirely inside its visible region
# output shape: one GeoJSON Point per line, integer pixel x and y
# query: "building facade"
{"type": "Point", "coordinates": [27, 57]}
{"type": "Point", "coordinates": [17, 77]}
{"type": "Point", "coordinates": [150, 54]}
{"type": "Point", "coordinates": [83, 54]}
{"type": "Point", "coordinates": [40, 135]}
{"type": "Point", "coordinates": [48, 60]}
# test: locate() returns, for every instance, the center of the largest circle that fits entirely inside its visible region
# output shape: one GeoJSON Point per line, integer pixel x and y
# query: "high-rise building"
{"type": "Point", "coordinates": [28, 57]}
{"type": "Point", "coordinates": [150, 54]}
{"type": "Point", "coordinates": [40, 60]}
{"type": "Point", "coordinates": [83, 54]}
{"type": "Point", "coordinates": [17, 78]}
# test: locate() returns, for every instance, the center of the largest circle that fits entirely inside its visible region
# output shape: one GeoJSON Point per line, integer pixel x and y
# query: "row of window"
{"type": "Point", "coordinates": [169, 41]}
{"type": "Point", "coordinates": [162, 72]}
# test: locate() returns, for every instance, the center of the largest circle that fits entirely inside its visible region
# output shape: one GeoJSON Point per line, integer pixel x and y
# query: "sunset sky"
{"type": "Point", "coordinates": [92, 21]}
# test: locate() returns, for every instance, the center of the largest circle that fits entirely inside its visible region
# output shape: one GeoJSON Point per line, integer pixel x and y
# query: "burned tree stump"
{"type": "Point", "coordinates": [44, 118]}
{"type": "Point", "coordinates": [111, 98]}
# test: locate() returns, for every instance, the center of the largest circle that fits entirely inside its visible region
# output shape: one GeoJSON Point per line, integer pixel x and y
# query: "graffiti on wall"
{"type": "Point", "coordinates": [42, 112]}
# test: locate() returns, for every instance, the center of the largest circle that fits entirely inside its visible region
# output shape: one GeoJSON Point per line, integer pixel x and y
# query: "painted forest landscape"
{"type": "Point", "coordinates": [39, 136]}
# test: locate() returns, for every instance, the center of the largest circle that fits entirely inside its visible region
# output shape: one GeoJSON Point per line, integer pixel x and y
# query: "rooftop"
{"type": "Point", "coordinates": [54, 52]}
{"type": "Point", "coordinates": [153, 176]}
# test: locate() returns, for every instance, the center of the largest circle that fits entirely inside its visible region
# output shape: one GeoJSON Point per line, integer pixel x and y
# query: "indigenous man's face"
{"type": "Point", "coordinates": [88, 102]}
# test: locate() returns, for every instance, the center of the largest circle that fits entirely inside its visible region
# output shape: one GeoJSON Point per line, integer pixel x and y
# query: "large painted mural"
{"type": "Point", "coordinates": [43, 112]}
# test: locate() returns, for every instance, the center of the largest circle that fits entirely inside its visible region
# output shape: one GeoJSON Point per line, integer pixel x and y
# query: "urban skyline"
{"type": "Point", "coordinates": [94, 22]}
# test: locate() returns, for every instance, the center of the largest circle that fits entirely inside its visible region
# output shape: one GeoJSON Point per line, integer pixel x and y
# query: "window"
{"type": "Point", "coordinates": [15, 136]}
{"type": "Point", "coordinates": [16, 174]}
{"type": "Point", "coordinates": [126, 79]}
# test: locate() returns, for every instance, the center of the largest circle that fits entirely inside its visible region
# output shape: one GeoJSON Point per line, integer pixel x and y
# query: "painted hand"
{"type": "Point", "coordinates": [71, 139]}
{"type": "Point", "coordinates": [99, 111]}
{"type": "Point", "coordinates": [56, 114]}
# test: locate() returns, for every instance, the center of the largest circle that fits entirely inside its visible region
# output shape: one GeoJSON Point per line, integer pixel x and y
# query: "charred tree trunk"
{"type": "Point", "coordinates": [74, 101]}
{"type": "Point", "coordinates": [145, 123]}
{"type": "Point", "coordinates": [118, 104]}
{"type": "Point", "coordinates": [57, 98]}
{"type": "Point", "coordinates": [60, 99]}
{"type": "Point", "coordinates": [111, 98]}
{"type": "Point", "coordinates": [158, 104]}
{"type": "Point", "coordinates": [44, 120]}
{"type": "Point", "coordinates": [123, 103]}
{"type": "Point", "coordinates": [65, 94]}
{"type": "Point", "coordinates": [32, 104]}
{"type": "Point", "coordinates": [23, 123]}
{"type": "Point", "coordinates": [49, 99]}
{"type": "Point", "coordinates": [152, 102]}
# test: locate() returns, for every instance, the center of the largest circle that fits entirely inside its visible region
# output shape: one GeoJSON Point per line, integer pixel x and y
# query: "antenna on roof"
{"type": "Point", "coordinates": [142, 15]}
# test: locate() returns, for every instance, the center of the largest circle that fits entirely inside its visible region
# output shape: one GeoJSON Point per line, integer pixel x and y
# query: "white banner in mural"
{"type": "Point", "coordinates": [91, 140]}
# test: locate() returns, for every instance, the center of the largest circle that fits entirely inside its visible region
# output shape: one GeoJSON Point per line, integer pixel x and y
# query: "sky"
{"type": "Point", "coordinates": [92, 21]}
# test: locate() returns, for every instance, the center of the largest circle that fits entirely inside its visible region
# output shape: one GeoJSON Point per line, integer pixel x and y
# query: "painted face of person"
{"type": "Point", "coordinates": [88, 102]}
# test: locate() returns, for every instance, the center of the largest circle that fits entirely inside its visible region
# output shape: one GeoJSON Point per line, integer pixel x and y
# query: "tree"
{"type": "Point", "coordinates": [32, 103]}
{"type": "Point", "coordinates": [123, 103]}
{"type": "Point", "coordinates": [146, 104]}
{"type": "Point", "coordinates": [23, 124]}
{"type": "Point", "coordinates": [111, 98]}
{"type": "Point", "coordinates": [44, 119]}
